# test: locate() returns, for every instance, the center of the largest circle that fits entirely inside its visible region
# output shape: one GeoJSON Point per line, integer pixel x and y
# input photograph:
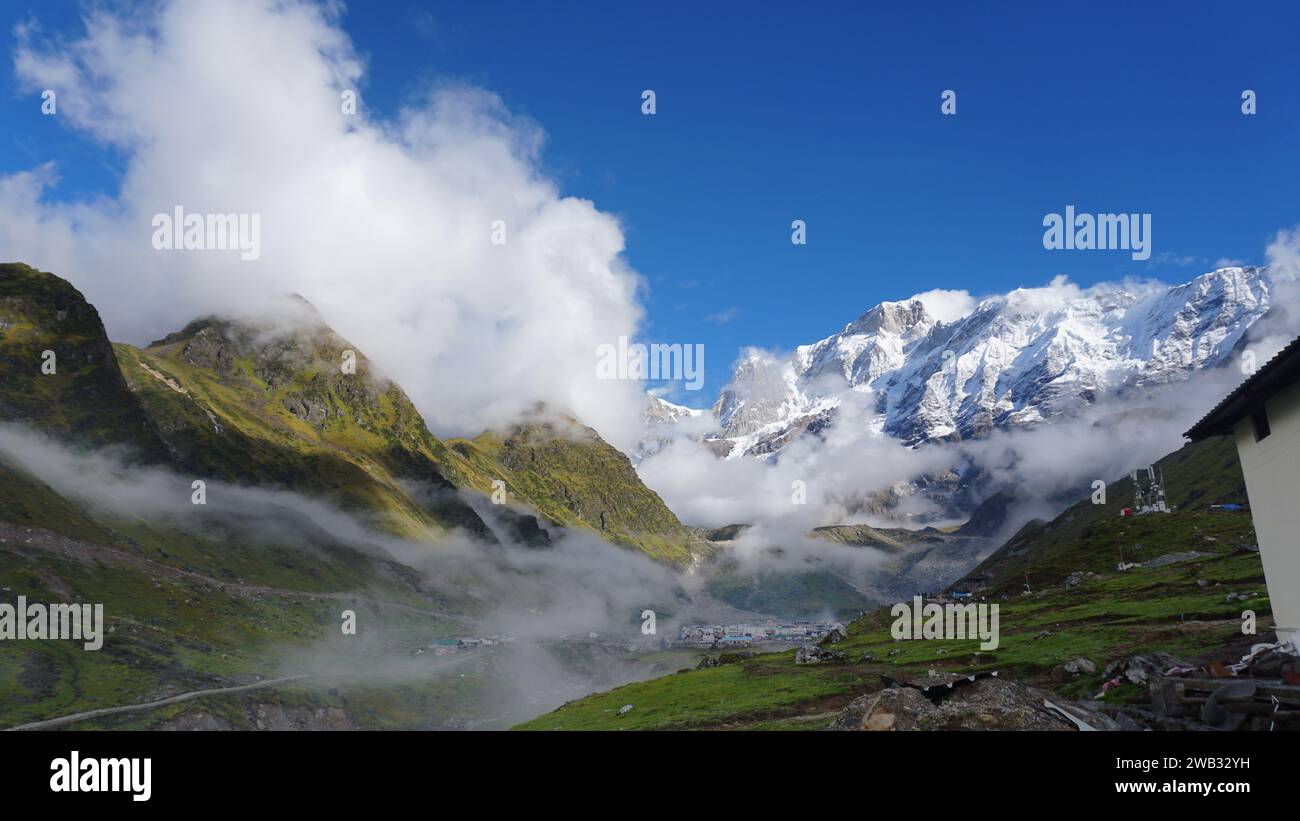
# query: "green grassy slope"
{"type": "Point", "coordinates": [1178, 608]}
{"type": "Point", "coordinates": [85, 400]}
{"type": "Point", "coordinates": [269, 402]}
{"type": "Point", "coordinates": [233, 405]}
{"type": "Point", "coordinates": [192, 608]}
{"type": "Point", "coordinates": [572, 477]}
{"type": "Point", "coordinates": [200, 603]}
{"type": "Point", "coordinates": [1103, 619]}
{"type": "Point", "coordinates": [1091, 537]}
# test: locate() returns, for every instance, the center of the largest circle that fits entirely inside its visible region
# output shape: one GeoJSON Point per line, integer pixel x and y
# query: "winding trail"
{"type": "Point", "coordinates": [212, 691]}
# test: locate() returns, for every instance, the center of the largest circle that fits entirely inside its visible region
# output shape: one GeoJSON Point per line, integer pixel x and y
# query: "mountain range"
{"type": "Point", "coordinates": [1012, 361]}
{"type": "Point", "coordinates": [326, 489]}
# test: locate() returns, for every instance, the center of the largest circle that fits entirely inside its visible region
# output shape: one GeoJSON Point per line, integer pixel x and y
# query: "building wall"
{"type": "Point", "coordinates": [1272, 469]}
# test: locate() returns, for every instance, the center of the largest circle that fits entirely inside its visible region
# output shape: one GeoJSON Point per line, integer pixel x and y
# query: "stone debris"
{"type": "Point", "coordinates": [1139, 669]}
{"type": "Point", "coordinates": [1174, 558]}
{"type": "Point", "coordinates": [817, 655]}
{"type": "Point", "coordinates": [1072, 668]}
{"type": "Point", "coordinates": [1260, 692]}
{"type": "Point", "coordinates": [984, 704]}
{"type": "Point", "coordinates": [836, 635]}
{"type": "Point", "coordinates": [1078, 577]}
{"type": "Point", "coordinates": [721, 659]}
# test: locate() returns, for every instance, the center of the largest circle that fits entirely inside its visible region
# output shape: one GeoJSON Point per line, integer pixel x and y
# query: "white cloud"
{"type": "Point", "coordinates": [837, 471]}
{"type": "Point", "coordinates": [385, 226]}
{"type": "Point", "coordinates": [947, 306]}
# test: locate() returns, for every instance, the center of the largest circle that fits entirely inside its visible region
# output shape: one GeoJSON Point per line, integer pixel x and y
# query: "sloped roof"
{"type": "Point", "coordinates": [1277, 374]}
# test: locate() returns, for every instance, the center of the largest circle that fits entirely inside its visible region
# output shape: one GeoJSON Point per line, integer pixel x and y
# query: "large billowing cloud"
{"type": "Point", "coordinates": [385, 225]}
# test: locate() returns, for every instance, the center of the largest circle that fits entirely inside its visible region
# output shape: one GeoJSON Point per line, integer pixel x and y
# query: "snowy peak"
{"type": "Point", "coordinates": [662, 412]}
{"type": "Point", "coordinates": [868, 347]}
{"type": "Point", "coordinates": [1195, 324]}
{"type": "Point", "coordinates": [1013, 361]}
{"type": "Point", "coordinates": [763, 389]}
{"type": "Point", "coordinates": [894, 318]}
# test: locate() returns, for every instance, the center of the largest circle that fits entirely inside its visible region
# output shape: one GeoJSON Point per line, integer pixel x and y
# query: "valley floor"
{"type": "Point", "coordinates": [1181, 608]}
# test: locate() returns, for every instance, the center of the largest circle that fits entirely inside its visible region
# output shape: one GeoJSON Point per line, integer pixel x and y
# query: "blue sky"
{"type": "Point", "coordinates": [830, 113]}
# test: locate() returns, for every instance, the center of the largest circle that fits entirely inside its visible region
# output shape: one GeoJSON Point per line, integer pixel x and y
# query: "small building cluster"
{"type": "Point", "coordinates": [743, 635]}
{"type": "Point", "coordinates": [444, 647]}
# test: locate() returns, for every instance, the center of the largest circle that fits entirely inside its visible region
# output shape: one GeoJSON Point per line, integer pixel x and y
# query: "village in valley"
{"type": "Point", "coordinates": [445, 647]}
{"type": "Point", "coordinates": [745, 635]}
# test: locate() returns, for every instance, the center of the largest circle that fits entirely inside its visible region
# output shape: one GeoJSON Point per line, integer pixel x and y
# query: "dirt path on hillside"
{"type": "Point", "coordinates": [212, 691]}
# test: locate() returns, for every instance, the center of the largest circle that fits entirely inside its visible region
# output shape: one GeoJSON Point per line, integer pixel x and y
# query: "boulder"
{"type": "Point", "coordinates": [1139, 669]}
{"type": "Point", "coordinates": [816, 655]}
{"type": "Point", "coordinates": [987, 704]}
{"type": "Point", "coordinates": [1078, 577]}
{"type": "Point", "coordinates": [1072, 668]}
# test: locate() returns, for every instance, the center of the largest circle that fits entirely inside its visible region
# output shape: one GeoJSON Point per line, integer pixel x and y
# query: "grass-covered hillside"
{"type": "Point", "coordinates": [573, 478]}
{"type": "Point", "coordinates": [1182, 608]}
{"type": "Point", "coordinates": [1094, 537]}
{"type": "Point", "coordinates": [273, 406]}
{"type": "Point", "coordinates": [281, 400]}
{"type": "Point", "coordinates": [217, 596]}
{"type": "Point", "coordinates": [58, 373]}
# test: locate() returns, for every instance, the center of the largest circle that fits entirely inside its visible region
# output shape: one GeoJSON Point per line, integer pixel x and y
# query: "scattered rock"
{"type": "Point", "coordinates": [1080, 665]}
{"type": "Point", "coordinates": [1078, 577]}
{"type": "Point", "coordinates": [1174, 558]}
{"type": "Point", "coordinates": [1074, 667]}
{"type": "Point", "coordinates": [988, 704]}
{"type": "Point", "coordinates": [816, 655]}
{"type": "Point", "coordinates": [1139, 669]}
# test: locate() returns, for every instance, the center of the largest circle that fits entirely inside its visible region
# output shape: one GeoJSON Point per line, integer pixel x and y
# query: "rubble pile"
{"type": "Point", "coordinates": [812, 654]}
{"type": "Point", "coordinates": [1260, 692]}
{"type": "Point", "coordinates": [977, 702]}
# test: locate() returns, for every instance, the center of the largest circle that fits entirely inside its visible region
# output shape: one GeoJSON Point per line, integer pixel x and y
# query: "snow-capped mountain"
{"type": "Point", "coordinates": [662, 420]}
{"type": "Point", "coordinates": [1012, 361]}
{"type": "Point", "coordinates": [660, 411]}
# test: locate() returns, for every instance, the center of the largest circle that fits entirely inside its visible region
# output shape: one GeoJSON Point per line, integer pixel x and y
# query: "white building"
{"type": "Point", "coordinates": [1263, 415]}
